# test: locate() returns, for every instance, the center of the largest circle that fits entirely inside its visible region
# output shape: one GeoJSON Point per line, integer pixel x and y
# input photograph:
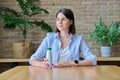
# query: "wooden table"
{"type": "Point", "coordinates": [65, 73]}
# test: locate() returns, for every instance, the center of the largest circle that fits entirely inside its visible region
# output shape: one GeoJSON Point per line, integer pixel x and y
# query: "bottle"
{"type": "Point", "coordinates": [49, 57]}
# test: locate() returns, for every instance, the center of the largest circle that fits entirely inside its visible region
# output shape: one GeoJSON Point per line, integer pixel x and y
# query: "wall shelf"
{"type": "Point", "coordinates": [13, 60]}
{"type": "Point", "coordinates": [108, 59]}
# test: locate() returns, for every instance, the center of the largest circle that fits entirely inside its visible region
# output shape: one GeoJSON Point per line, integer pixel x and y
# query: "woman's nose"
{"type": "Point", "coordinates": [60, 21]}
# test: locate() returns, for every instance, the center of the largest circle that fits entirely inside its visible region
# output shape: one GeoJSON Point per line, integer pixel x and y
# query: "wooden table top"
{"type": "Point", "coordinates": [65, 73]}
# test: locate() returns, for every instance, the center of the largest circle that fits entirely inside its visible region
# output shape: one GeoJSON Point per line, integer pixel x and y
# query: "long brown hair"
{"type": "Point", "coordinates": [69, 14]}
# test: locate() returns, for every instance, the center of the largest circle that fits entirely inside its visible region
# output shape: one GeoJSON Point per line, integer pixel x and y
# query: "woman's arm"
{"type": "Point", "coordinates": [84, 63]}
{"type": "Point", "coordinates": [42, 64]}
{"type": "Point", "coordinates": [87, 53]}
{"type": "Point", "coordinates": [70, 64]}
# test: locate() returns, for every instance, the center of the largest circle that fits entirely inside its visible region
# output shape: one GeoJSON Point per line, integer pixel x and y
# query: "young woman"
{"type": "Point", "coordinates": [65, 43]}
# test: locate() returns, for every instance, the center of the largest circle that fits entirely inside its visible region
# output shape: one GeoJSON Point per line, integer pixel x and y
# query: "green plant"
{"type": "Point", "coordinates": [22, 20]}
{"type": "Point", "coordinates": [105, 35]}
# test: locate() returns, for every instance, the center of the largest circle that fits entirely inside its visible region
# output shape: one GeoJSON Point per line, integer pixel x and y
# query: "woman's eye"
{"type": "Point", "coordinates": [63, 19]}
{"type": "Point", "coordinates": [60, 19]}
{"type": "Point", "coordinates": [57, 19]}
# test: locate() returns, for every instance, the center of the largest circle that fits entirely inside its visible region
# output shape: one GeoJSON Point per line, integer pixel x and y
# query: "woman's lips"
{"type": "Point", "coordinates": [60, 26]}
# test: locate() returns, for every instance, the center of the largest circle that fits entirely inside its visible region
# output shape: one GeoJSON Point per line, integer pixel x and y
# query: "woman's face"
{"type": "Point", "coordinates": [62, 22]}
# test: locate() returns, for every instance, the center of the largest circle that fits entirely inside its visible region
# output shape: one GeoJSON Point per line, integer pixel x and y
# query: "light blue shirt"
{"type": "Point", "coordinates": [76, 46]}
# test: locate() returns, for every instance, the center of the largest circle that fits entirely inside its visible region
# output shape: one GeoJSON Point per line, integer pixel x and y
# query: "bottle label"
{"type": "Point", "coordinates": [49, 57]}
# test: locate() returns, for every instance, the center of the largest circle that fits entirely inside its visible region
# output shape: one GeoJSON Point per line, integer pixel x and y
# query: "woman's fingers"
{"type": "Point", "coordinates": [45, 60]}
{"type": "Point", "coordinates": [59, 65]}
{"type": "Point", "coordinates": [44, 64]}
{"type": "Point", "coordinates": [63, 64]}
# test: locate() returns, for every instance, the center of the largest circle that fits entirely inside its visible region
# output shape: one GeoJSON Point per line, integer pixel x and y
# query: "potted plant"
{"type": "Point", "coordinates": [13, 19]}
{"type": "Point", "coordinates": [106, 36]}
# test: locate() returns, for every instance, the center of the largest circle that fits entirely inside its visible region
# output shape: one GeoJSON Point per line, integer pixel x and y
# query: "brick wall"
{"type": "Point", "coordinates": [86, 12]}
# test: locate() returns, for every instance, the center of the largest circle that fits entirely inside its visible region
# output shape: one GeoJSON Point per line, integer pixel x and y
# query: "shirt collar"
{"type": "Point", "coordinates": [57, 35]}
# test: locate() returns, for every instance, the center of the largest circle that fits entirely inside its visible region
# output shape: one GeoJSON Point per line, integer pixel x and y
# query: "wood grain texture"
{"type": "Point", "coordinates": [65, 73]}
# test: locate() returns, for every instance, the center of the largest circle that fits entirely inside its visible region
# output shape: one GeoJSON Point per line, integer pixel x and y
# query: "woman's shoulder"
{"type": "Point", "coordinates": [78, 36]}
{"type": "Point", "coordinates": [51, 34]}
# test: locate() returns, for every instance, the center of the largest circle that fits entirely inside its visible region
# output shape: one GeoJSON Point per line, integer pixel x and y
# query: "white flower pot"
{"type": "Point", "coordinates": [106, 51]}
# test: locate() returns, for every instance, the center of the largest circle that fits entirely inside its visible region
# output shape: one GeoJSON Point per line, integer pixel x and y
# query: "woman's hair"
{"type": "Point", "coordinates": [69, 14]}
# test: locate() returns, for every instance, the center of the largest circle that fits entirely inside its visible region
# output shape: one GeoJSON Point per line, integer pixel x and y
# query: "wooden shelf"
{"type": "Point", "coordinates": [13, 60]}
{"type": "Point", "coordinates": [26, 60]}
{"type": "Point", "coordinates": [108, 59]}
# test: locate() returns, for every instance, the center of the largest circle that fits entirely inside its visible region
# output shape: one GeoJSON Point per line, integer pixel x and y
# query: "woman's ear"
{"type": "Point", "coordinates": [71, 21]}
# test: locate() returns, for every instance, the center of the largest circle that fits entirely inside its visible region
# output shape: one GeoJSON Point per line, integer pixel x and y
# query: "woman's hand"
{"type": "Point", "coordinates": [64, 64]}
{"type": "Point", "coordinates": [43, 64]}
{"type": "Point", "coordinates": [70, 64]}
